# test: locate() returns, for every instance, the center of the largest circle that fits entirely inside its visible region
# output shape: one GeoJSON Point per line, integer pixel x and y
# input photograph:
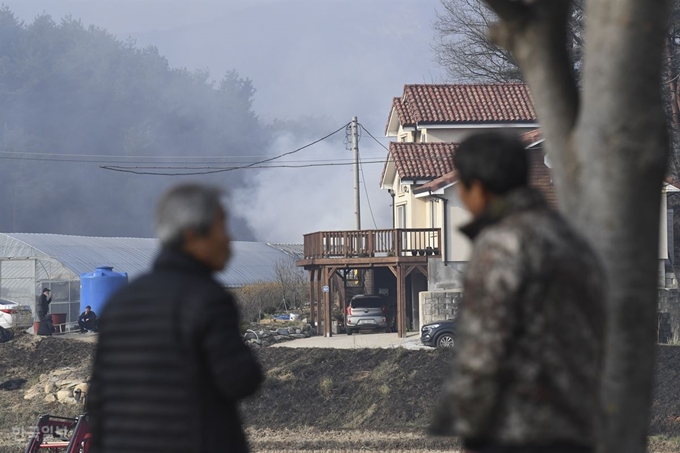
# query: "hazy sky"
{"type": "Point", "coordinates": [329, 59]}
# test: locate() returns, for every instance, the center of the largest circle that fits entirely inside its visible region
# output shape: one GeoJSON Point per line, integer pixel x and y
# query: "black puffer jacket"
{"type": "Point", "coordinates": [170, 365]}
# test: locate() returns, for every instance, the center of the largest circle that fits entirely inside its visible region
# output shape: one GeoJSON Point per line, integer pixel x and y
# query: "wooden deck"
{"type": "Point", "coordinates": [366, 248]}
{"type": "Point", "coordinates": [402, 251]}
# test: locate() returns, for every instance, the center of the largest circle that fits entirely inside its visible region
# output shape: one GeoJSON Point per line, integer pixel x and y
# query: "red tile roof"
{"type": "Point", "coordinates": [438, 183]}
{"type": "Point", "coordinates": [539, 179]}
{"type": "Point", "coordinates": [672, 181]}
{"type": "Point", "coordinates": [467, 103]}
{"type": "Point", "coordinates": [421, 160]}
{"type": "Point", "coordinates": [403, 113]}
{"type": "Point", "coordinates": [531, 137]}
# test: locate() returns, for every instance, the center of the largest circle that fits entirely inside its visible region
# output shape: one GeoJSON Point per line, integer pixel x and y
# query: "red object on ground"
{"type": "Point", "coordinates": [59, 322]}
{"type": "Point", "coordinates": [36, 327]}
{"type": "Point", "coordinates": [60, 435]}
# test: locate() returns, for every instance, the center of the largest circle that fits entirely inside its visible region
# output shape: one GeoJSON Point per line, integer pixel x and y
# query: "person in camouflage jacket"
{"type": "Point", "coordinates": [530, 334]}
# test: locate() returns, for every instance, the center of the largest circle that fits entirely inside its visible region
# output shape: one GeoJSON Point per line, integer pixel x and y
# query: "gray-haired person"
{"type": "Point", "coordinates": [170, 365]}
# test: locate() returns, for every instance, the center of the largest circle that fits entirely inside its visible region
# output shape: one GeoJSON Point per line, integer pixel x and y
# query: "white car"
{"type": "Point", "coordinates": [13, 315]}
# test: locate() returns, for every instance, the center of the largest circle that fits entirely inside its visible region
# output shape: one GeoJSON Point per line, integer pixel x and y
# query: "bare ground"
{"type": "Point", "coordinates": [314, 399]}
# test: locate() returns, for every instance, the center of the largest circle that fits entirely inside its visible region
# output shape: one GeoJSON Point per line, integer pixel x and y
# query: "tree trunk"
{"type": "Point", "coordinates": [672, 82]}
{"type": "Point", "coordinates": [610, 153]}
{"type": "Point", "coordinates": [622, 133]}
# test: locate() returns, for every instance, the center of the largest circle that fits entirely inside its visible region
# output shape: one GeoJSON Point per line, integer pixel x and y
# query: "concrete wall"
{"type": "Point", "coordinates": [444, 276]}
{"type": "Point", "coordinates": [438, 306]}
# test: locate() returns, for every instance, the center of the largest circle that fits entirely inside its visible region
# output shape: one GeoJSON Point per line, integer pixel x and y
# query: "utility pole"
{"type": "Point", "coordinates": [355, 149]}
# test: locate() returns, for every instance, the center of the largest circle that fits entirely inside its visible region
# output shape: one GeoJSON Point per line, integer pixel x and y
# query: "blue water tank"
{"type": "Point", "coordinates": [97, 287]}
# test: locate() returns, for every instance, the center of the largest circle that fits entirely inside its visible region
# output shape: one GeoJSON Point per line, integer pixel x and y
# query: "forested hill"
{"type": "Point", "coordinates": [71, 95]}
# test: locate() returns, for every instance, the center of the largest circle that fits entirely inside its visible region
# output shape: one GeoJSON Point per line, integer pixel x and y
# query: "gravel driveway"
{"type": "Point", "coordinates": [358, 340]}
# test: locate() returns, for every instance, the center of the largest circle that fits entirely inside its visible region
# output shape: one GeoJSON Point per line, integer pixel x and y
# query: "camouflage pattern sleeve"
{"type": "Point", "coordinates": [488, 318]}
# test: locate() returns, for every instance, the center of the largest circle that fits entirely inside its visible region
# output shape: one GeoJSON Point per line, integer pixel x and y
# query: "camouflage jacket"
{"type": "Point", "coordinates": [529, 345]}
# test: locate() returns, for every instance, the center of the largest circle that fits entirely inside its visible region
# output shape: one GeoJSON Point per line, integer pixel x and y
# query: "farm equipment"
{"type": "Point", "coordinates": [60, 435]}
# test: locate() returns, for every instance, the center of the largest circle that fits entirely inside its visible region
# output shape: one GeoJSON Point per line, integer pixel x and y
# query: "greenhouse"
{"type": "Point", "coordinates": [30, 262]}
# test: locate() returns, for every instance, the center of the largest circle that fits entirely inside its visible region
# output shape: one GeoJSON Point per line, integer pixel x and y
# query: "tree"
{"type": "Point", "coordinates": [292, 285]}
{"type": "Point", "coordinates": [672, 73]}
{"type": "Point", "coordinates": [608, 142]}
{"type": "Point", "coordinates": [74, 98]}
{"type": "Point", "coordinates": [257, 299]}
{"type": "Point", "coordinates": [462, 45]}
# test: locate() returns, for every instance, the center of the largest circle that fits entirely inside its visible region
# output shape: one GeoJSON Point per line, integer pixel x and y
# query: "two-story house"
{"type": "Point", "coordinates": [428, 121]}
{"type": "Point", "coordinates": [423, 255]}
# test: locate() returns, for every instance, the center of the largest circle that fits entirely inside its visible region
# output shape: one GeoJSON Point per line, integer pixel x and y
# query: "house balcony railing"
{"type": "Point", "coordinates": [373, 243]}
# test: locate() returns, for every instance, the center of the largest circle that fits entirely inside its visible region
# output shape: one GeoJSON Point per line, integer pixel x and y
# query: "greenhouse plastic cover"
{"type": "Point", "coordinates": [251, 262]}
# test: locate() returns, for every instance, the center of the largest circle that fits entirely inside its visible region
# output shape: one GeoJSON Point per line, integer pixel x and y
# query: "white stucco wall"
{"type": "Point", "coordinates": [663, 224]}
{"type": "Point", "coordinates": [457, 135]}
{"type": "Point", "coordinates": [458, 245]}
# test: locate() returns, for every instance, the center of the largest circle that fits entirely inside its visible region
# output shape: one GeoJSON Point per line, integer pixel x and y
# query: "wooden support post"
{"type": "Point", "coordinates": [343, 301]}
{"type": "Point", "coordinates": [312, 296]}
{"type": "Point", "coordinates": [327, 305]}
{"type": "Point", "coordinates": [319, 297]}
{"type": "Point", "coordinates": [401, 302]}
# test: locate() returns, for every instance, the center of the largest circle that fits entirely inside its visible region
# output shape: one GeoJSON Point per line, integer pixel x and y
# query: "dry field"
{"type": "Point", "coordinates": [313, 399]}
{"type": "Point", "coordinates": [314, 440]}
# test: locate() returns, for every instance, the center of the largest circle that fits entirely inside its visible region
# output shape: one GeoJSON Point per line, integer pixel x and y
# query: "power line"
{"type": "Point", "coordinates": [211, 170]}
{"type": "Point", "coordinates": [104, 159]}
{"type": "Point", "coordinates": [222, 170]}
{"type": "Point", "coordinates": [299, 149]}
{"type": "Point", "coordinates": [93, 158]}
{"type": "Point", "coordinates": [214, 169]}
{"type": "Point", "coordinates": [368, 199]}
{"type": "Point", "coordinates": [371, 135]}
{"type": "Point", "coordinates": [209, 167]}
{"type": "Point", "coordinates": [100, 156]}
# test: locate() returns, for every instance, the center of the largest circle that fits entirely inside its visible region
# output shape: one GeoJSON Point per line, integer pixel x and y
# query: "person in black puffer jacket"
{"type": "Point", "coordinates": [170, 365]}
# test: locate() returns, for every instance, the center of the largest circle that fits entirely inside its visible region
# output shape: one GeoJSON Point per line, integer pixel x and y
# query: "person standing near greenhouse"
{"type": "Point", "coordinates": [42, 309]}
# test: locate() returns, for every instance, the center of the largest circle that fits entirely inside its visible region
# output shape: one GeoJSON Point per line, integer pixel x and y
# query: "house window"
{"type": "Point", "coordinates": [401, 216]}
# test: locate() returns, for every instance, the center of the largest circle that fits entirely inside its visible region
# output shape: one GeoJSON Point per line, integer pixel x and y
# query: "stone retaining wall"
{"type": "Point", "coordinates": [266, 337]}
{"type": "Point", "coordinates": [65, 385]}
{"type": "Point", "coordinates": [439, 305]}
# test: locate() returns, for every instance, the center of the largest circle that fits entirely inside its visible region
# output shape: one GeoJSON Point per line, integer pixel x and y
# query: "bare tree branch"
{"type": "Point", "coordinates": [463, 46]}
{"type": "Point", "coordinates": [537, 38]}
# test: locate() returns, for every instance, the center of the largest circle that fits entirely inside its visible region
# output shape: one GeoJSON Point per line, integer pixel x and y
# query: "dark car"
{"type": "Point", "coordinates": [438, 334]}
{"type": "Point", "coordinates": [366, 312]}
